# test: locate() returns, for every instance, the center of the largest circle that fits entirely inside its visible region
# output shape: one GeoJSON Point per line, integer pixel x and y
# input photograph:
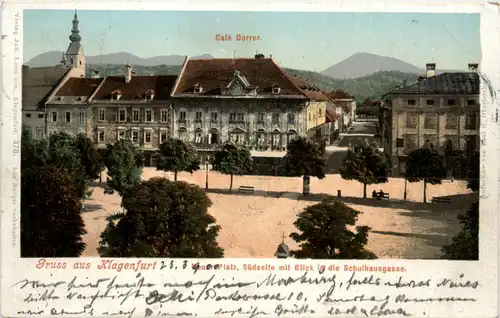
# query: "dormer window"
{"type": "Point", "coordinates": [276, 89]}
{"type": "Point", "coordinates": [116, 95]}
{"type": "Point", "coordinates": [150, 94]}
{"type": "Point", "coordinates": [198, 88]}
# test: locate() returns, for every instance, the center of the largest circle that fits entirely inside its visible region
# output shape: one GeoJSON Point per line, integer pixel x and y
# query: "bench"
{"type": "Point", "coordinates": [246, 189]}
{"type": "Point", "coordinates": [380, 196]}
{"type": "Point", "coordinates": [441, 200]}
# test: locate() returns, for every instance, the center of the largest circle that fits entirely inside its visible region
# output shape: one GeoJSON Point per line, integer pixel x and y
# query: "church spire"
{"type": "Point", "coordinates": [75, 36]}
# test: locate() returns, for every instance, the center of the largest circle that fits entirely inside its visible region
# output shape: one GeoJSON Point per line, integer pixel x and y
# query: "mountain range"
{"type": "Point", "coordinates": [54, 57]}
{"type": "Point", "coordinates": [356, 66]}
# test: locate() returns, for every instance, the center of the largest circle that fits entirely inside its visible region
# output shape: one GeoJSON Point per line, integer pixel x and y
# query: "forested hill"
{"type": "Point", "coordinates": [370, 86]}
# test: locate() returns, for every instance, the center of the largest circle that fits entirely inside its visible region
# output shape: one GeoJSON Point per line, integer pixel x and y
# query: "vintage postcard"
{"type": "Point", "coordinates": [304, 160]}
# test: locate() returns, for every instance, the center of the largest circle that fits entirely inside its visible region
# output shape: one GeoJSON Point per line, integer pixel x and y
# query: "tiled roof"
{"type": "Point", "coordinates": [339, 94]}
{"type": "Point", "coordinates": [215, 74]}
{"type": "Point", "coordinates": [76, 89]}
{"type": "Point", "coordinates": [137, 88]}
{"type": "Point", "coordinates": [308, 89]}
{"type": "Point", "coordinates": [39, 82]}
{"type": "Point", "coordinates": [445, 83]}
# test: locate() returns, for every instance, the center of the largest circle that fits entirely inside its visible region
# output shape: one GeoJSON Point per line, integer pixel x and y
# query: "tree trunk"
{"type": "Point", "coordinates": [231, 184]}
{"type": "Point", "coordinates": [175, 175]}
{"type": "Point", "coordinates": [364, 190]}
{"type": "Point", "coordinates": [425, 191]}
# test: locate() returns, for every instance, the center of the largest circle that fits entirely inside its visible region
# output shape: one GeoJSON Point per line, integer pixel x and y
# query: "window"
{"type": "Point", "coordinates": [451, 121]}
{"type": "Point", "coordinates": [411, 102]}
{"type": "Point", "coordinates": [310, 118]}
{"type": "Point", "coordinates": [276, 140]}
{"type": "Point", "coordinates": [410, 143]}
{"type": "Point", "coordinates": [260, 138]}
{"type": "Point", "coordinates": [291, 117]}
{"type": "Point", "coordinates": [214, 137]}
{"type": "Point", "coordinates": [237, 117]}
{"type": "Point", "coordinates": [430, 140]}
{"type": "Point", "coordinates": [471, 120]}
{"type": "Point", "coordinates": [470, 143]}
{"type": "Point", "coordinates": [40, 115]}
{"type": "Point", "coordinates": [197, 139]}
{"type": "Point", "coordinates": [411, 120]}
{"type": "Point", "coordinates": [213, 117]}
{"type": "Point", "coordinates": [430, 102]}
{"type": "Point", "coordinates": [82, 118]}
{"type": "Point", "coordinates": [39, 132]}
{"type": "Point", "coordinates": [450, 102]}
{"type": "Point", "coordinates": [101, 136]}
{"type": "Point", "coordinates": [163, 136]}
{"type": "Point", "coordinates": [276, 90]}
{"type": "Point", "coordinates": [149, 115]}
{"type": "Point", "coordinates": [147, 137]}
{"type": "Point", "coordinates": [121, 134]}
{"type": "Point", "coordinates": [260, 117]}
{"type": "Point", "coordinates": [183, 134]}
{"type": "Point", "coordinates": [136, 115]}
{"type": "Point", "coordinates": [54, 116]}
{"type": "Point", "coordinates": [237, 137]}
{"type": "Point", "coordinates": [276, 117]}
{"type": "Point", "coordinates": [400, 143]}
{"type": "Point", "coordinates": [164, 115]}
{"type": "Point", "coordinates": [28, 115]}
{"type": "Point", "coordinates": [198, 116]}
{"type": "Point", "coordinates": [68, 117]}
{"type": "Point", "coordinates": [122, 115]}
{"type": "Point", "coordinates": [102, 115]}
{"type": "Point", "coordinates": [182, 116]}
{"type": "Point", "coordinates": [135, 136]}
{"type": "Point", "coordinates": [471, 102]}
{"type": "Point", "coordinates": [198, 88]}
{"type": "Point", "coordinates": [430, 121]}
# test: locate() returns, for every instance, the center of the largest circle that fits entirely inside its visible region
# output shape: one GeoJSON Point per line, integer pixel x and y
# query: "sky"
{"type": "Point", "coordinates": [309, 41]}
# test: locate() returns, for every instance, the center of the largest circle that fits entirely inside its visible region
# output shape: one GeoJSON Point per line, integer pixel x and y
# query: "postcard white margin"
{"type": "Point", "coordinates": [208, 293]}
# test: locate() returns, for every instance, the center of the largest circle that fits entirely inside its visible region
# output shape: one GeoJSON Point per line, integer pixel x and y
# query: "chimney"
{"type": "Point", "coordinates": [473, 67]}
{"type": "Point", "coordinates": [259, 56]}
{"type": "Point", "coordinates": [431, 69]}
{"type": "Point", "coordinates": [128, 73]}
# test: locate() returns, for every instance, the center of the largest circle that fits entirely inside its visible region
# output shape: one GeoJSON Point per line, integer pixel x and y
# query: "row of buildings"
{"type": "Point", "coordinates": [251, 101]}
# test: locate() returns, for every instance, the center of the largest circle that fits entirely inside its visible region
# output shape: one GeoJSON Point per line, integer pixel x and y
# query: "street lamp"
{"type": "Point", "coordinates": [206, 175]}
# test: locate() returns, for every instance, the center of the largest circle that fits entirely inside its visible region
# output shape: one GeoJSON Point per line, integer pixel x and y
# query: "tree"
{"type": "Point", "coordinates": [175, 155]}
{"type": "Point", "coordinates": [325, 233]}
{"type": "Point", "coordinates": [233, 159]}
{"type": "Point", "coordinates": [124, 162]}
{"type": "Point", "coordinates": [366, 164]}
{"type": "Point", "coordinates": [58, 150]}
{"type": "Point", "coordinates": [89, 156]}
{"type": "Point", "coordinates": [425, 164]}
{"type": "Point", "coordinates": [51, 221]}
{"type": "Point", "coordinates": [305, 158]}
{"type": "Point", "coordinates": [473, 166]}
{"type": "Point", "coordinates": [163, 219]}
{"type": "Point", "coordinates": [465, 245]}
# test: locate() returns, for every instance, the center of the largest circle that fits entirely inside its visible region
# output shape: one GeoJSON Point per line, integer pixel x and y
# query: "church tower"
{"type": "Point", "coordinates": [75, 57]}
